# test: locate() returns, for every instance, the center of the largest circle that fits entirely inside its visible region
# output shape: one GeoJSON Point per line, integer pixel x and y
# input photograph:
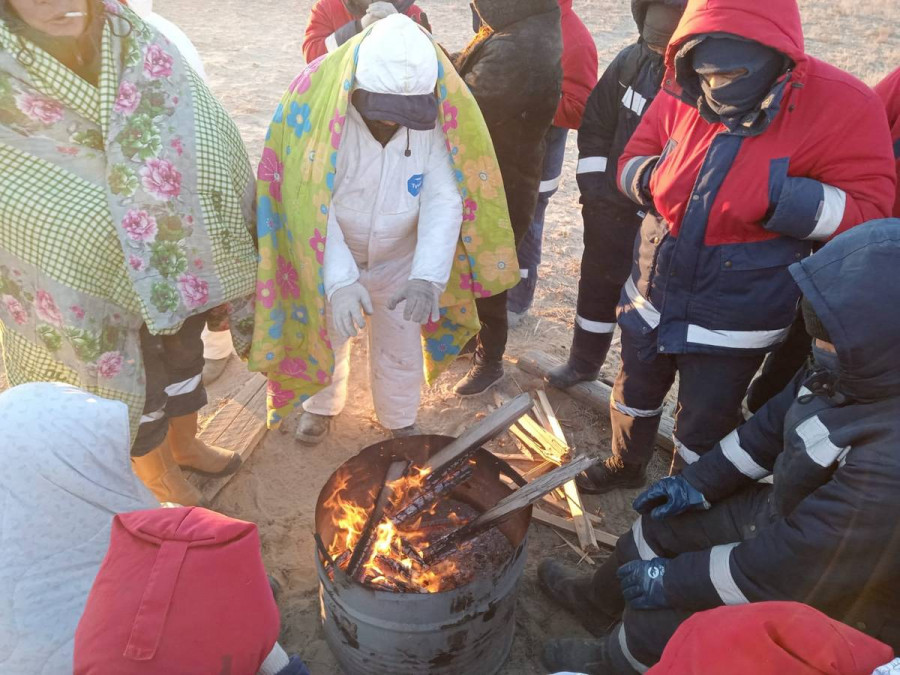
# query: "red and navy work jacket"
{"type": "Point", "coordinates": [733, 209]}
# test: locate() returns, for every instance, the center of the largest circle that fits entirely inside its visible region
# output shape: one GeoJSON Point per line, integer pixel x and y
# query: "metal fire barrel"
{"type": "Point", "coordinates": [465, 630]}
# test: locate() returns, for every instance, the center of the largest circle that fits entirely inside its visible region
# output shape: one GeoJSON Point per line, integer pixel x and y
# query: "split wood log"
{"type": "Point", "coordinates": [595, 394]}
{"type": "Point", "coordinates": [545, 518]}
{"type": "Point", "coordinates": [363, 550]}
{"type": "Point", "coordinates": [555, 450]}
{"type": "Point", "coordinates": [539, 470]}
{"type": "Point", "coordinates": [522, 498]}
{"type": "Point", "coordinates": [492, 425]}
{"type": "Point", "coordinates": [586, 538]}
{"type": "Point", "coordinates": [238, 426]}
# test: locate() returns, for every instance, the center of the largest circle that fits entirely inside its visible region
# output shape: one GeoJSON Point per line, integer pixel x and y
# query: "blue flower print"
{"type": "Point", "coordinates": [415, 183]}
{"type": "Point", "coordinates": [329, 179]}
{"type": "Point", "coordinates": [268, 221]}
{"type": "Point", "coordinates": [279, 114]}
{"type": "Point", "coordinates": [298, 119]}
{"type": "Point", "coordinates": [441, 349]}
{"type": "Point", "coordinates": [300, 314]}
{"type": "Point", "coordinates": [277, 316]}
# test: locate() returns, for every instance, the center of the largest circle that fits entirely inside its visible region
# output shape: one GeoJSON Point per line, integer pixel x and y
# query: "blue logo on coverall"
{"type": "Point", "coordinates": [414, 185]}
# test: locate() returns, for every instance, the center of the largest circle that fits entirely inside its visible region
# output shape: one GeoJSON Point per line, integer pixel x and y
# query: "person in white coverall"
{"type": "Point", "coordinates": [394, 223]}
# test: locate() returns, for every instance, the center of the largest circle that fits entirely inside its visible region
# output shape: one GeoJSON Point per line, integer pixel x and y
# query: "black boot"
{"type": "Point", "coordinates": [611, 474]}
{"type": "Point", "coordinates": [483, 375]}
{"type": "Point", "coordinates": [576, 655]}
{"type": "Point", "coordinates": [571, 373]}
{"type": "Point", "coordinates": [574, 592]}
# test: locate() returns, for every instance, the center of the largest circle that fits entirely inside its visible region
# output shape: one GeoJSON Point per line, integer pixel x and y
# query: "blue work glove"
{"type": "Point", "coordinates": [669, 497]}
{"type": "Point", "coordinates": [642, 583]}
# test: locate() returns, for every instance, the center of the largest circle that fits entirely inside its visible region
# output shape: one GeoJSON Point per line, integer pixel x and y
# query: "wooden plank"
{"type": "Point", "coordinates": [484, 430]}
{"type": "Point", "coordinates": [594, 394]}
{"type": "Point", "coordinates": [545, 518]}
{"type": "Point", "coordinates": [539, 470]}
{"type": "Point", "coordinates": [557, 450]}
{"type": "Point", "coordinates": [526, 441]}
{"type": "Point", "coordinates": [238, 426]}
{"type": "Point", "coordinates": [583, 528]}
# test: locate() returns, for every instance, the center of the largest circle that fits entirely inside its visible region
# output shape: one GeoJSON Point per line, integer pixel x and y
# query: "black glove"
{"type": "Point", "coordinates": [670, 497]}
{"type": "Point", "coordinates": [642, 583]}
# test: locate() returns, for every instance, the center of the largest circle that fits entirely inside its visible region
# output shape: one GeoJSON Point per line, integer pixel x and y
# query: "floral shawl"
{"type": "Point", "coordinates": [122, 204]}
{"type": "Point", "coordinates": [296, 179]}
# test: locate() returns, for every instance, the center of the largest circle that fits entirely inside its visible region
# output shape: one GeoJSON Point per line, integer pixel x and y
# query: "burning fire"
{"type": "Point", "coordinates": [395, 561]}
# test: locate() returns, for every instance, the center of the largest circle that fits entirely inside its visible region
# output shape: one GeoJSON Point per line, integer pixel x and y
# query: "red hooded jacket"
{"type": "Point", "coordinates": [738, 207]}
{"type": "Point", "coordinates": [326, 17]}
{"type": "Point", "coordinates": [579, 63]}
{"type": "Point", "coordinates": [889, 91]}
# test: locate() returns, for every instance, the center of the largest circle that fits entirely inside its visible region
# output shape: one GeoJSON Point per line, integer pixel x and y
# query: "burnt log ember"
{"type": "Point", "coordinates": [435, 487]}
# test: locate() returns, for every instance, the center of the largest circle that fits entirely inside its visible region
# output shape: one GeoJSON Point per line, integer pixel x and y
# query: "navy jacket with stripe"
{"type": "Point", "coordinates": [832, 442]}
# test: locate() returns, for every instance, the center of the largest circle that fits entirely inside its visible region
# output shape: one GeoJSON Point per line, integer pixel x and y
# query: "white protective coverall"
{"type": "Point", "coordinates": [67, 472]}
{"type": "Point", "coordinates": [394, 216]}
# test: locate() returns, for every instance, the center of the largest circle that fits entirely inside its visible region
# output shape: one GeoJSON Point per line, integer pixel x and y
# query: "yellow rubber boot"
{"type": "Point", "coordinates": [192, 453]}
{"type": "Point", "coordinates": [162, 476]}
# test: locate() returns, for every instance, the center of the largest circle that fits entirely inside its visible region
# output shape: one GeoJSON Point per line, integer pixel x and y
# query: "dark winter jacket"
{"type": "Point", "coordinates": [613, 112]}
{"type": "Point", "coordinates": [833, 444]}
{"type": "Point", "coordinates": [513, 67]}
{"type": "Point", "coordinates": [338, 21]}
{"type": "Point", "coordinates": [737, 207]}
{"type": "Point", "coordinates": [579, 64]}
{"type": "Point", "coordinates": [889, 92]}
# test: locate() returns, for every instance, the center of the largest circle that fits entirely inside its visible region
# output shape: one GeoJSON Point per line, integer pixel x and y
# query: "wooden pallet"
{"type": "Point", "coordinates": [239, 426]}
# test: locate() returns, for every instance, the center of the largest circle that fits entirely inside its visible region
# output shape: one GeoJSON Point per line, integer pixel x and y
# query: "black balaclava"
{"type": "Point", "coordinates": [823, 358]}
{"type": "Point", "coordinates": [80, 54]}
{"type": "Point", "coordinates": [717, 54]}
{"type": "Point", "coordinates": [660, 23]}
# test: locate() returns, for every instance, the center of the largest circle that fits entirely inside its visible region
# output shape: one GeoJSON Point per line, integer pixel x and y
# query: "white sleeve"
{"type": "Point", "coordinates": [339, 267]}
{"type": "Point", "coordinates": [440, 217]}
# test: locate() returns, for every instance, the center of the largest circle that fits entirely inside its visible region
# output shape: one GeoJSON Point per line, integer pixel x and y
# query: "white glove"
{"type": "Point", "coordinates": [421, 301]}
{"type": "Point", "coordinates": [376, 11]}
{"type": "Point", "coordinates": [347, 307]}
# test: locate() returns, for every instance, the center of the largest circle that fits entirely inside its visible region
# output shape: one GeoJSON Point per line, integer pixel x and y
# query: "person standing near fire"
{"type": "Point", "coordinates": [579, 64]}
{"type": "Point", "coordinates": [333, 22]}
{"type": "Point", "coordinates": [362, 212]}
{"type": "Point", "coordinates": [611, 220]}
{"type": "Point", "coordinates": [754, 152]}
{"type": "Point", "coordinates": [513, 68]}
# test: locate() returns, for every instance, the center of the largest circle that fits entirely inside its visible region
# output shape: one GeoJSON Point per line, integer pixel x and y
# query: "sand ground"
{"type": "Point", "coordinates": [251, 49]}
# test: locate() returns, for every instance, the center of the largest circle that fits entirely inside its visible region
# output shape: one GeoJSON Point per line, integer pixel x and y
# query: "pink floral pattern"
{"type": "Point", "coordinates": [15, 309]}
{"type": "Point", "coordinates": [272, 171]}
{"type": "Point", "coordinates": [287, 279]}
{"type": "Point", "coordinates": [128, 99]}
{"type": "Point", "coordinates": [336, 127]}
{"type": "Point", "coordinates": [109, 365]}
{"type": "Point", "coordinates": [157, 63]}
{"type": "Point", "coordinates": [40, 109]}
{"type": "Point", "coordinates": [294, 367]}
{"type": "Point", "coordinates": [278, 396]}
{"type": "Point", "coordinates": [450, 113]}
{"type": "Point", "coordinates": [46, 309]}
{"type": "Point", "coordinates": [470, 207]}
{"type": "Point", "coordinates": [78, 311]}
{"type": "Point", "coordinates": [137, 263]}
{"type": "Point", "coordinates": [194, 291]}
{"type": "Point", "coordinates": [140, 225]}
{"type": "Point", "coordinates": [317, 244]}
{"type": "Point", "coordinates": [265, 293]}
{"type": "Point", "coordinates": [161, 179]}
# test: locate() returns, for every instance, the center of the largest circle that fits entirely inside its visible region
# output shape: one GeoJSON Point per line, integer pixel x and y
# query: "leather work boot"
{"type": "Point", "coordinates": [192, 453]}
{"type": "Point", "coordinates": [483, 375]}
{"type": "Point", "coordinates": [405, 432]}
{"type": "Point", "coordinates": [573, 591]}
{"type": "Point", "coordinates": [577, 655]}
{"type": "Point", "coordinates": [568, 374]}
{"type": "Point", "coordinates": [163, 477]}
{"type": "Point", "coordinates": [611, 474]}
{"type": "Point", "coordinates": [312, 428]}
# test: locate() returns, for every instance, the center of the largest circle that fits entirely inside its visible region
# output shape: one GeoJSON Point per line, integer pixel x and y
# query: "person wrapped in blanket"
{"type": "Point", "coordinates": [363, 211]}
{"type": "Point", "coordinates": [126, 216]}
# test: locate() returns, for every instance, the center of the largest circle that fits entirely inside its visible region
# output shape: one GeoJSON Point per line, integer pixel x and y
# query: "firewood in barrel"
{"type": "Point", "coordinates": [356, 568]}
{"type": "Point", "coordinates": [518, 500]}
{"type": "Point", "coordinates": [435, 487]}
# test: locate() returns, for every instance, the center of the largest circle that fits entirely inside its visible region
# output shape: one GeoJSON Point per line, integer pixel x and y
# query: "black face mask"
{"type": "Point", "coordinates": [761, 66]}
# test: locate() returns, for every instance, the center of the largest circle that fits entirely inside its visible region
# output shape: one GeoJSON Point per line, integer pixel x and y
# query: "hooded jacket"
{"type": "Point", "coordinates": [613, 112]}
{"type": "Point", "coordinates": [734, 208]}
{"type": "Point", "coordinates": [67, 474]}
{"type": "Point", "coordinates": [513, 68]}
{"type": "Point", "coordinates": [889, 92]}
{"type": "Point", "coordinates": [831, 440]}
{"type": "Point", "coordinates": [579, 64]}
{"type": "Point", "coordinates": [333, 22]}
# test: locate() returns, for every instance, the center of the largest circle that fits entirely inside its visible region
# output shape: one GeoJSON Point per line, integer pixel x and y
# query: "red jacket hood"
{"type": "Point", "coordinates": [774, 23]}
{"type": "Point", "coordinates": [565, 5]}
